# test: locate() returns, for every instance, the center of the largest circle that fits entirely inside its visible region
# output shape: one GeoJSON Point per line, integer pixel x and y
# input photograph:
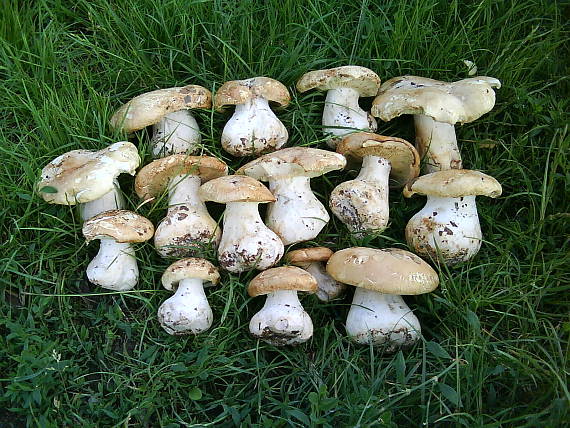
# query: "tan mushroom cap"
{"type": "Point", "coordinates": [148, 109]}
{"type": "Point", "coordinates": [292, 162]}
{"type": "Point", "coordinates": [305, 256]}
{"type": "Point", "coordinates": [388, 270]}
{"type": "Point", "coordinates": [235, 188]}
{"type": "Point", "coordinates": [153, 178]}
{"type": "Point", "coordinates": [361, 79]}
{"type": "Point", "coordinates": [282, 278]}
{"type": "Point", "coordinates": [463, 101]}
{"type": "Point", "coordinates": [81, 176]}
{"type": "Point", "coordinates": [190, 268]}
{"type": "Point", "coordinates": [454, 183]}
{"type": "Point", "coordinates": [121, 225]}
{"type": "Point", "coordinates": [239, 91]}
{"type": "Point", "coordinates": [403, 157]}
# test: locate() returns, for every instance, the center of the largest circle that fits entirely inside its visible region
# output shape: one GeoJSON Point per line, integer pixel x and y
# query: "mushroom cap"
{"type": "Point", "coordinates": [81, 176]}
{"type": "Point", "coordinates": [462, 101]}
{"type": "Point", "coordinates": [121, 225]}
{"type": "Point", "coordinates": [454, 183]}
{"type": "Point", "coordinates": [361, 79]}
{"type": "Point", "coordinates": [148, 109]}
{"type": "Point", "coordinates": [388, 270]}
{"type": "Point", "coordinates": [292, 162]}
{"type": "Point", "coordinates": [190, 268]}
{"type": "Point", "coordinates": [304, 256]}
{"type": "Point", "coordinates": [235, 188]}
{"type": "Point", "coordinates": [282, 278]}
{"type": "Point", "coordinates": [153, 178]}
{"type": "Point", "coordinates": [403, 157]}
{"type": "Point", "coordinates": [239, 91]}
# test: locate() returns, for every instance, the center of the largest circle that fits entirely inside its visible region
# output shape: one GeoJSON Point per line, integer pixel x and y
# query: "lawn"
{"type": "Point", "coordinates": [495, 347]}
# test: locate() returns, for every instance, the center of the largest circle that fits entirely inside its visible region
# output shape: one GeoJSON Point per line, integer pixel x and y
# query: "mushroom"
{"type": "Point", "coordinates": [362, 203]}
{"type": "Point", "coordinates": [448, 224]}
{"type": "Point", "coordinates": [253, 129]}
{"type": "Point", "coordinates": [297, 215]}
{"type": "Point", "coordinates": [246, 242]}
{"type": "Point", "coordinates": [378, 314]}
{"type": "Point", "coordinates": [89, 178]}
{"type": "Point", "coordinates": [188, 311]}
{"type": "Point", "coordinates": [342, 114]}
{"type": "Point", "coordinates": [174, 129]}
{"type": "Point", "coordinates": [115, 266]}
{"type": "Point", "coordinates": [437, 107]}
{"type": "Point", "coordinates": [187, 226]}
{"type": "Point", "coordinates": [282, 320]}
{"type": "Point", "coordinates": [311, 260]}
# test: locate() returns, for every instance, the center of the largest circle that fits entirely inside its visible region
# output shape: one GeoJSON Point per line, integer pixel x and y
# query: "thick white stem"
{"type": "Point", "coordinates": [187, 227]}
{"type": "Point", "coordinates": [342, 111]}
{"type": "Point", "coordinates": [362, 203]}
{"type": "Point", "coordinates": [177, 132]}
{"type": "Point", "coordinates": [437, 144]}
{"type": "Point", "coordinates": [112, 200]}
{"type": "Point", "coordinates": [188, 311]}
{"type": "Point", "coordinates": [328, 288]}
{"type": "Point", "coordinates": [448, 227]}
{"type": "Point", "coordinates": [114, 267]}
{"type": "Point", "coordinates": [282, 320]}
{"type": "Point", "coordinates": [297, 215]}
{"type": "Point", "coordinates": [253, 129]}
{"type": "Point", "coordinates": [247, 243]}
{"type": "Point", "coordinates": [381, 319]}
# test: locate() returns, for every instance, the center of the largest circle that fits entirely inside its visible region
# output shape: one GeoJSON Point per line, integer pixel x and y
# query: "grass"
{"type": "Point", "coordinates": [495, 346]}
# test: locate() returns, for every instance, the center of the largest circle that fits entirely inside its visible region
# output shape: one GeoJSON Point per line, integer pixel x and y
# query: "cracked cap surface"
{"type": "Point", "coordinates": [239, 91]}
{"type": "Point", "coordinates": [121, 225]}
{"type": "Point", "coordinates": [361, 79]}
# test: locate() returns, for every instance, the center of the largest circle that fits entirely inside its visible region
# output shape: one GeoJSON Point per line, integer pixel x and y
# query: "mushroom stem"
{"type": "Point", "coordinates": [188, 310]}
{"type": "Point", "coordinates": [247, 242]}
{"type": "Point", "coordinates": [282, 320]}
{"type": "Point", "coordinates": [112, 200]}
{"type": "Point", "coordinates": [177, 132]}
{"type": "Point", "coordinates": [328, 288]}
{"type": "Point", "coordinates": [381, 319]}
{"type": "Point", "coordinates": [362, 203]}
{"type": "Point", "coordinates": [187, 224]}
{"type": "Point", "coordinates": [448, 227]}
{"type": "Point", "coordinates": [114, 267]}
{"type": "Point", "coordinates": [437, 144]}
{"type": "Point", "coordinates": [341, 111]}
{"type": "Point", "coordinates": [253, 129]}
{"type": "Point", "coordinates": [297, 215]}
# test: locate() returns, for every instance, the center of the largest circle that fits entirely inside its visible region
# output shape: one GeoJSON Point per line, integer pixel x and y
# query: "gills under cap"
{"type": "Point", "coordinates": [121, 225]}
{"type": "Point", "coordinates": [361, 79]}
{"type": "Point", "coordinates": [187, 269]}
{"type": "Point", "coordinates": [454, 183]}
{"type": "Point", "coordinates": [240, 91]}
{"type": "Point", "coordinates": [282, 278]}
{"type": "Point", "coordinates": [148, 109]}
{"type": "Point", "coordinates": [388, 270]}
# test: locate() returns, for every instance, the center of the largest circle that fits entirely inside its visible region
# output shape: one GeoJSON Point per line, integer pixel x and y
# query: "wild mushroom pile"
{"type": "Point", "coordinates": [192, 235]}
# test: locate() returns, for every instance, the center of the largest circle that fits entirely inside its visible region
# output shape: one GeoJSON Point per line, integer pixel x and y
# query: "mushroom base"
{"type": "Point", "coordinates": [177, 132]}
{"type": "Point", "coordinates": [114, 267]}
{"type": "Point", "coordinates": [446, 228]}
{"type": "Point", "coordinates": [282, 320]}
{"type": "Point", "coordinates": [381, 320]}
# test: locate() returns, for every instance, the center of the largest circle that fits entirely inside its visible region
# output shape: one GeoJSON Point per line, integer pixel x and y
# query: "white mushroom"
{"type": "Point", "coordinates": [345, 85]}
{"type": "Point", "coordinates": [362, 203]}
{"type": "Point", "coordinates": [378, 315]}
{"type": "Point", "coordinates": [187, 227]}
{"type": "Point", "coordinates": [188, 311]}
{"type": "Point", "coordinates": [115, 266]}
{"type": "Point", "coordinates": [253, 128]}
{"type": "Point", "coordinates": [296, 215]}
{"type": "Point", "coordinates": [448, 226]}
{"type": "Point", "coordinates": [437, 107]}
{"type": "Point", "coordinates": [246, 242]}
{"type": "Point", "coordinates": [282, 320]}
{"type": "Point", "coordinates": [312, 260]}
{"type": "Point", "coordinates": [175, 131]}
